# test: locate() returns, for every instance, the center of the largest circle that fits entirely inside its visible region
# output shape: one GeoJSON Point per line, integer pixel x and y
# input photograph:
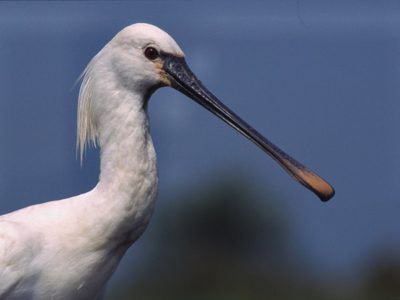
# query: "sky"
{"type": "Point", "coordinates": [318, 78]}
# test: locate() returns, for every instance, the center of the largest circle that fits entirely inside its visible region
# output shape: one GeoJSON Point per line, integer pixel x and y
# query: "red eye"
{"type": "Point", "coordinates": [151, 53]}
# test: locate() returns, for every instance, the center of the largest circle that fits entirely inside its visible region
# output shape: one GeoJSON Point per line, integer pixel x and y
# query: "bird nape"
{"type": "Point", "coordinates": [69, 248]}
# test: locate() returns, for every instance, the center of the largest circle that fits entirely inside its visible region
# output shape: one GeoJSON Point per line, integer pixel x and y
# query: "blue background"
{"type": "Point", "coordinates": [319, 78]}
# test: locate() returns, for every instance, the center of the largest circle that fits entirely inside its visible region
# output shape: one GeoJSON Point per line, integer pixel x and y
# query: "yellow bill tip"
{"type": "Point", "coordinates": [316, 184]}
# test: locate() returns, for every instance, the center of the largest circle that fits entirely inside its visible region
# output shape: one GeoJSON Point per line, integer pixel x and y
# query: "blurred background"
{"type": "Point", "coordinates": [319, 78]}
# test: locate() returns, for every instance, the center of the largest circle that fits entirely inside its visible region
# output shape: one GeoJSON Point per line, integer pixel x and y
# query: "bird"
{"type": "Point", "coordinates": [69, 248]}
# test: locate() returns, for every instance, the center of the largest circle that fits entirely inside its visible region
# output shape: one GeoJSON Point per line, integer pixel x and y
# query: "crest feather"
{"type": "Point", "coordinates": [87, 129]}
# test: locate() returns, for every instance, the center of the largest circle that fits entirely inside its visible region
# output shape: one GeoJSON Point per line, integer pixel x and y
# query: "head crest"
{"type": "Point", "coordinates": [87, 129]}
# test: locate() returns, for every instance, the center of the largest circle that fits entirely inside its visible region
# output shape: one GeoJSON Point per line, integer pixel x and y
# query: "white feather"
{"type": "Point", "coordinates": [86, 127]}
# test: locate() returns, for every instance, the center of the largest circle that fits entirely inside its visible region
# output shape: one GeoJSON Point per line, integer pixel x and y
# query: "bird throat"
{"type": "Point", "coordinates": [128, 172]}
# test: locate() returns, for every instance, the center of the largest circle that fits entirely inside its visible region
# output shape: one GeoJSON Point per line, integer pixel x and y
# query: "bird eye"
{"type": "Point", "coordinates": [151, 53]}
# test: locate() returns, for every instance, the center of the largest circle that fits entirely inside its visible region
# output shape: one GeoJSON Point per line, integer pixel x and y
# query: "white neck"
{"type": "Point", "coordinates": [124, 196]}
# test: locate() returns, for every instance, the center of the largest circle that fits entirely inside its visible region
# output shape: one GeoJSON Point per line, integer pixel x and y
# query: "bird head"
{"type": "Point", "coordinates": [145, 58]}
{"type": "Point", "coordinates": [138, 54]}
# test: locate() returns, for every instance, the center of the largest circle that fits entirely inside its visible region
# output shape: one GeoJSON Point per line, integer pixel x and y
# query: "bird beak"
{"type": "Point", "coordinates": [182, 79]}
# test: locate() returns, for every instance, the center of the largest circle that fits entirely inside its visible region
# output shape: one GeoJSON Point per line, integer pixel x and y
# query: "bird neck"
{"type": "Point", "coordinates": [128, 175]}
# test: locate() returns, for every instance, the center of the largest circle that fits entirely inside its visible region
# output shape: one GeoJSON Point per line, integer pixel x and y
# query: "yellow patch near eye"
{"type": "Point", "coordinates": [163, 75]}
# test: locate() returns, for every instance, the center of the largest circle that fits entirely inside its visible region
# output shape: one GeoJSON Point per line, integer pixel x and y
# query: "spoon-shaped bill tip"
{"type": "Point", "coordinates": [315, 183]}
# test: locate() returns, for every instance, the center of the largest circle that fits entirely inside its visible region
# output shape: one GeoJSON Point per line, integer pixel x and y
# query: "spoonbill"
{"type": "Point", "coordinates": [69, 248]}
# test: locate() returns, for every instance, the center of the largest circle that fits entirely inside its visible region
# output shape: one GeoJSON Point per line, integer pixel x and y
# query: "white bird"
{"type": "Point", "coordinates": [68, 249]}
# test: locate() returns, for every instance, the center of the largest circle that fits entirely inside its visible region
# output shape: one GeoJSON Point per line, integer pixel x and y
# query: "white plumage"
{"type": "Point", "coordinates": [68, 249]}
